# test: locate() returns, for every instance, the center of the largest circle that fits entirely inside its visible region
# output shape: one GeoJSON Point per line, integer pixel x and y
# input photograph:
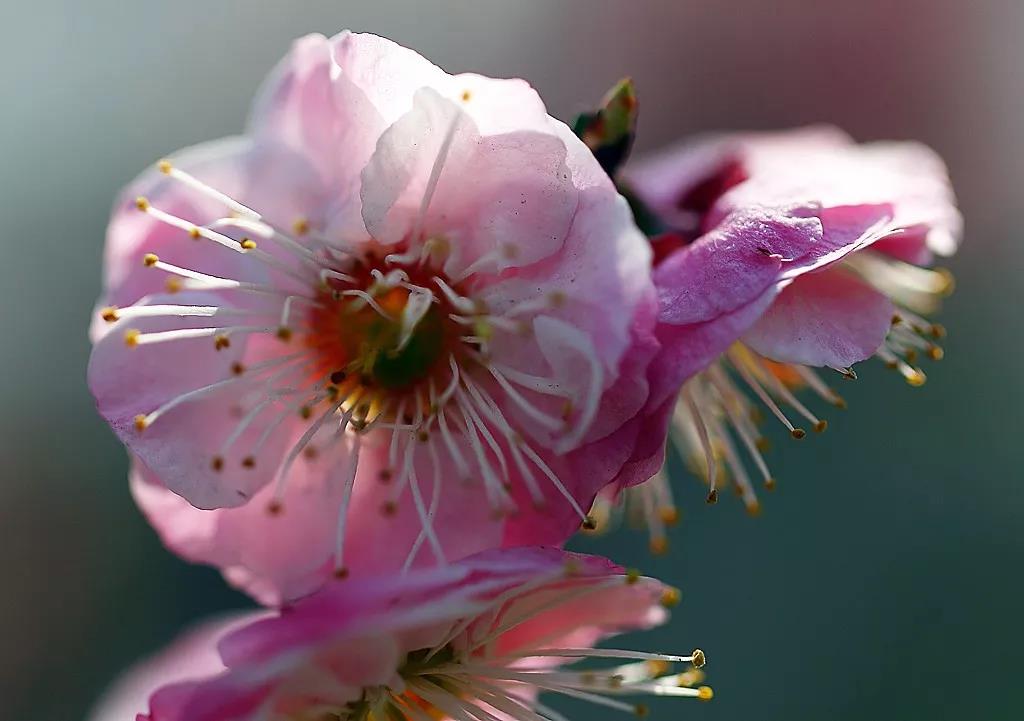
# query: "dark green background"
{"type": "Point", "coordinates": [883, 580]}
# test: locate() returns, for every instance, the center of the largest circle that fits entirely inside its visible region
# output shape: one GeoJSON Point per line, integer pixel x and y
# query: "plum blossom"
{"type": "Point", "coordinates": [478, 639]}
{"type": "Point", "coordinates": [785, 252]}
{"type": "Point", "coordinates": [407, 308]}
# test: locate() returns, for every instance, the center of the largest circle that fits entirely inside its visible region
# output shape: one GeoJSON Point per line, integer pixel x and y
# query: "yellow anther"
{"type": "Point", "coordinates": [659, 545]}
{"type": "Point", "coordinates": [220, 342]}
{"type": "Point", "coordinates": [422, 436]}
{"type": "Point", "coordinates": [937, 330]}
{"type": "Point", "coordinates": [669, 515]}
{"type": "Point", "coordinates": [109, 313]}
{"type": "Point", "coordinates": [142, 203]}
{"type": "Point", "coordinates": [165, 166]}
{"type": "Point", "coordinates": [670, 597]}
{"type": "Point", "coordinates": [712, 496]}
{"type": "Point", "coordinates": [300, 226]}
{"type": "Point", "coordinates": [247, 244]}
{"type": "Point", "coordinates": [699, 659]}
{"type": "Point", "coordinates": [820, 426]}
{"type": "Point", "coordinates": [131, 337]}
{"type": "Point", "coordinates": [150, 259]}
{"type": "Point", "coordinates": [770, 484]}
{"type": "Point", "coordinates": [916, 378]}
{"type": "Point", "coordinates": [173, 285]}
{"type": "Point", "coordinates": [704, 693]}
{"type": "Point", "coordinates": [466, 95]}
{"type": "Point", "coordinates": [217, 463]}
{"type": "Point", "coordinates": [935, 353]}
{"type": "Point", "coordinates": [194, 233]}
{"type": "Point", "coordinates": [798, 433]}
{"type": "Point", "coordinates": [632, 576]}
{"type": "Point", "coordinates": [896, 319]}
{"type": "Point", "coordinates": [839, 403]}
{"type": "Point", "coordinates": [588, 524]}
{"type": "Point", "coordinates": [141, 422]}
{"type": "Point", "coordinates": [762, 444]}
{"type": "Point", "coordinates": [911, 356]}
{"type": "Point", "coordinates": [754, 508]}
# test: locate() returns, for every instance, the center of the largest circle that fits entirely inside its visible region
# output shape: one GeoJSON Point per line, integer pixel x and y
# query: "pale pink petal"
{"type": "Point", "coordinates": [828, 318]}
{"type": "Point", "coordinates": [589, 289]}
{"type": "Point", "coordinates": [517, 209]}
{"type": "Point", "coordinates": [180, 445]}
{"type": "Point", "coordinates": [191, 656]}
{"type": "Point", "coordinates": [387, 73]}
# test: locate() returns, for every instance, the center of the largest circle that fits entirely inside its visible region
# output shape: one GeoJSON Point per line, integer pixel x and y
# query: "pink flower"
{"type": "Point", "coordinates": [795, 250]}
{"type": "Point", "coordinates": [406, 301]}
{"type": "Point", "coordinates": [476, 639]}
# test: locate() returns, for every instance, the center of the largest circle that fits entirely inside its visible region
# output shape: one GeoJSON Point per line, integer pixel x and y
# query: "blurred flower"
{"type": "Point", "coordinates": [408, 308]}
{"type": "Point", "coordinates": [784, 252]}
{"type": "Point", "coordinates": [477, 639]}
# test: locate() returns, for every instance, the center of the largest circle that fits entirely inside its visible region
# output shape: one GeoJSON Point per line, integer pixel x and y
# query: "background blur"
{"type": "Point", "coordinates": [883, 580]}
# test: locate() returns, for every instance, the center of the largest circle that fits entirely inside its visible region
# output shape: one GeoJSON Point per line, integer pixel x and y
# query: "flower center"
{"type": "Point", "coordinates": [387, 336]}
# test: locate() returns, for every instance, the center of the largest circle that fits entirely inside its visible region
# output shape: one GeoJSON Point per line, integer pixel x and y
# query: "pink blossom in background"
{"type": "Point", "coordinates": [479, 638]}
{"type": "Point", "coordinates": [785, 252]}
{"type": "Point", "coordinates": [404, 318]}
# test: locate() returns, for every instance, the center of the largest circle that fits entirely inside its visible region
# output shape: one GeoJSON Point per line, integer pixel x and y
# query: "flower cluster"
{"type": "Point", "coordinates": [381, 356]}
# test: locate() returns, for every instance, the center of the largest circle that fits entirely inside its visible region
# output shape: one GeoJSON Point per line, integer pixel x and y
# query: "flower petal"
{"type": "Point", "coordinates": [267, 177]}
{"type": "Point", "coordinates": [829, 318]}
{"type": "Point", "coordinates": [129, 382]}
{"type": "Point", "coordinates": [193, 655]}
{"type": "Point", "coordinates": [517, 209]}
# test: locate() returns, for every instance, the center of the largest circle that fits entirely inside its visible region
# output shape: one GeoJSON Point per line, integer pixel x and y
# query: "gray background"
{"type": "Point", "coordinates": [883, 579]}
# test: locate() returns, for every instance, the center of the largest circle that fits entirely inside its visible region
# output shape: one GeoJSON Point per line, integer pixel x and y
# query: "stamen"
{"type": "Point", "coordinates": [167, 168]}
{"type": "Point", "coordinates": [369, 300]}
{"type": "Point", "coordinates": [549, 422]}
{"type": "Point", "coordinates": [460, 302]}
{"type": "Point", "coordinates": [134, 338]}
{"type": "Point", "coordinates": [351, 467]}
{"type": "Point", "coordinates": [150, 418]}
{"type": "Point", "coordinates": [435, 175]}
{"type": "Point", "coordinates": [748, 377]}
{"type": "Point", "coordinates": [705, 441]}
{"type": "Point", "coordinates": [296, 449]}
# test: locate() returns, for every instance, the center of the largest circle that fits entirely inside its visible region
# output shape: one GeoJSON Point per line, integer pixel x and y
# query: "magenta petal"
{"type": "Point", "coordinates": [733, 265]}
{"type": "Point", "coordinates": [828, 318]}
